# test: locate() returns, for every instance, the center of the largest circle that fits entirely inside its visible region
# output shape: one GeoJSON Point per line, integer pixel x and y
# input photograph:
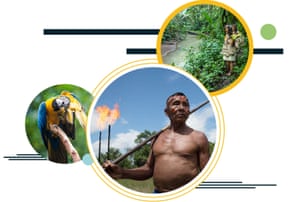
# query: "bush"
{"type": "Point", "coordinates": [207, 65]}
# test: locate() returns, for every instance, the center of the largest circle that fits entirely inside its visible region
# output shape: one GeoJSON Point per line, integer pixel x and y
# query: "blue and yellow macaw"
{"type": "Point", "coordinates": [61, 111]}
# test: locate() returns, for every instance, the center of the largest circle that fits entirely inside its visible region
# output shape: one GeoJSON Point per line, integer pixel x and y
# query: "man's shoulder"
{"type": "Point", "coordinates": [198, 133]}
{"type": "Point", "coordinates": [200, 136]}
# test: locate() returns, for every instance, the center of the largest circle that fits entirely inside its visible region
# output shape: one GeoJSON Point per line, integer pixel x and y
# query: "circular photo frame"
{"type": "Point", "coordinates": [56, 123]}
{"type": "Point", "coordinates": [209, 40]}
{"type": "Point", "coordinates": [127, 119]}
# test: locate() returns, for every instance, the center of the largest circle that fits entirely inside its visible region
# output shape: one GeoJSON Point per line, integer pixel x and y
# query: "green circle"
{"type": "Point", "coordinates": [268, 31]}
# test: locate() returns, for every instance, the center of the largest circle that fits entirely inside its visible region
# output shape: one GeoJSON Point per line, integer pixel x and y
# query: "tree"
{"type": "Point", "coordinates": [114, 153]}
{"type": "Point", "coordinates": [140, 156]}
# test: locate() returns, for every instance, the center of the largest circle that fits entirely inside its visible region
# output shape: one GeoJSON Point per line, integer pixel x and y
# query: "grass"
{"type": "Point", "coordinates": [145, 186]}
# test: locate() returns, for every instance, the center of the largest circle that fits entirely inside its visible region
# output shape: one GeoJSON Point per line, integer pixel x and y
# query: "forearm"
{"type": "Point", "coordinates": [141, 173]}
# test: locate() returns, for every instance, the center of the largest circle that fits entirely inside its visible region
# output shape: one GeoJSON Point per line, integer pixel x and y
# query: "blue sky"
{"type": "Point", "coordinates": [141, 96]}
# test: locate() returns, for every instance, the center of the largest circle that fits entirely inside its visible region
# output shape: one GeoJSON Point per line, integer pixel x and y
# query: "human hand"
{"type": "Point", "coordinates": [112, 169]}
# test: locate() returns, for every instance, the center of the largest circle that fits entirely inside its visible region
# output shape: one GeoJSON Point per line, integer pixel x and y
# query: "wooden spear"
{"type": "Point", "coordinates": [121, 158]}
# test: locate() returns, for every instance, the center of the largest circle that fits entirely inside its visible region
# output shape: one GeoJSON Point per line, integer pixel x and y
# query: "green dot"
{"type": "Point", "coordinates": [268, 31]}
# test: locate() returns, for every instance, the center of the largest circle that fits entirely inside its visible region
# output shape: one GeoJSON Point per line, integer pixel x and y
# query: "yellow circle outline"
{"type": "Point", "coordinates": [226, 7]}
{"type": "Point", "coordinates": [113, 184]}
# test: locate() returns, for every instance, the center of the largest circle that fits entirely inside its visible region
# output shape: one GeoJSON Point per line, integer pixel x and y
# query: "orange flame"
{"type": "Point", "coordinates": [114, 114]}
{"type": "Point", "coordinates": [107, 116]}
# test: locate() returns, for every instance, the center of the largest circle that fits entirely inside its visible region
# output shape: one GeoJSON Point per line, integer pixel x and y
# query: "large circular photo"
{"type": "Point", "coordinates": [153, 130]}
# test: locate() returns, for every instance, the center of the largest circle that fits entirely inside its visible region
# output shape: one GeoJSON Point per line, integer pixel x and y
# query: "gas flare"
{"type": "Point", "coordinates": [114, 114]}
{"type": "Point", "coordinates": [107, 116]}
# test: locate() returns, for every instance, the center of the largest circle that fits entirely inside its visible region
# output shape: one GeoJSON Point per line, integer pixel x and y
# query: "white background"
{"type": "Point", "coordinates": [261, 112]}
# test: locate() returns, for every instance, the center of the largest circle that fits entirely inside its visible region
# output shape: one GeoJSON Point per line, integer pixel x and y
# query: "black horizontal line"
{"type": "Point", "coordinates": [130, 51]}
{"type": "Point", "coordinates": [101, 31]}
{"type": "Point", "coordinates": [28, 155]}
{"type": "Point", "coordinates": [204, 187]}
{"type": "Point", "coordinates": [264, 185]}
{"type": "Point", "coordinates": [226, 182]}
{"type": "Point", "coordinates": [22, 157]}
{"type": "Point", "coordinates": [255, 51]}
{"type": "Point", "coordinates": [242, 185]}
{"type": "Point", "coordinates": [268, 51]}
{"type": "Point", "coordinates": [26, 159]}
{"type": "Point", "coordinates": [136, 32]}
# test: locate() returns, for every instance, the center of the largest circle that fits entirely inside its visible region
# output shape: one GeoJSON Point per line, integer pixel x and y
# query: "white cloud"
{"type": "Point", "coordinates": [211, 135]}
{"type": "Point", "coordinates": [124, 141]}
{"type": "Point", "coordinates": [174, 77]}
{"type": "Point", "coordinates": [94, 126]}
{"type": "Point", "coordinates": [200, 121]}
{"type": "Point", "coordinates": [123, 121]}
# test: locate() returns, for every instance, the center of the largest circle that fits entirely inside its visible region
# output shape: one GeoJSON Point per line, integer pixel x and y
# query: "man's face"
{"type": "Point", "coordinates": [178, 108]}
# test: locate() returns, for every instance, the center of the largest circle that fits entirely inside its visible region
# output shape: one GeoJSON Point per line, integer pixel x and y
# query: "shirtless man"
{"type": "Point", "coordinates": [178, 154]}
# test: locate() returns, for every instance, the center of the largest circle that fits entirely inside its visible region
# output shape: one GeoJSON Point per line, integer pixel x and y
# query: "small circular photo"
{"type": "Point", "coordinates": [210, 41]}
{"type": "Point", "coordinates": [153, 130]}
{"type": "Point", "coordinates": [56, 122]}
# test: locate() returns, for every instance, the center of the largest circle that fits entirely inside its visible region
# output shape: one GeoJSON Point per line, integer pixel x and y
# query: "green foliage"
{"type": "Point", "coordinates": [115, 153]}
{"type": "Point", "coordinates": [206, 62]}
{"type": "Point", "coordinates": [208, 67]}
{"type": "Point", "coordinates": [200, 18]}
{"type": "Point", "coordinates": [32, 130]}
{"type": "Point", "coordinates": [103, 158]}
{"type": "Point", "coordinates": [176, 29]}
{"type": "Point", "coordinates": [211, 147]}
{"type": "Point", "coordinates": [140, 156]}
{"type": "Point", "coordinates": [193, 17]}
{"type": "Point", "coordinates": [209, 16]}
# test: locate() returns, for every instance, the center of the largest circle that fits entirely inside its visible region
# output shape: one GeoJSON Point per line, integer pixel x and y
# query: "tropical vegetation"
{"type": "Point", "coordinates": [205, 62]}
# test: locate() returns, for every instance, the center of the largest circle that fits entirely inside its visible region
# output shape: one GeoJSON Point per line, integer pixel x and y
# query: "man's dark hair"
{"type": "Point", "coordinates": [175, 94]}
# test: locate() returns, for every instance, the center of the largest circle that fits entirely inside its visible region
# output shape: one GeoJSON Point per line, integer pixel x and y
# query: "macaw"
{"type": "Point", "coordinates": [60, 110]}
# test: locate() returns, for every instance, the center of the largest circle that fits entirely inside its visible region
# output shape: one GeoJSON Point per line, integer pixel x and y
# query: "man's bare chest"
{"type": "Point", "coordinates": [174, 144]}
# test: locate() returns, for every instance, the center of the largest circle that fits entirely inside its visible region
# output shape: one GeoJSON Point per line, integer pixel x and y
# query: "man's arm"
{"type": "Point", "coordinates": [141, 173]}
{"type": "Point", "coordinates": [203, 154]}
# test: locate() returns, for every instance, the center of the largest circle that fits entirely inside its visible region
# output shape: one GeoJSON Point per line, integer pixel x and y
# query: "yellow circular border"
{"type": "Point", "coordinates": [226, 7]}
{"type": "Point", "coordinates": [220, 135]}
